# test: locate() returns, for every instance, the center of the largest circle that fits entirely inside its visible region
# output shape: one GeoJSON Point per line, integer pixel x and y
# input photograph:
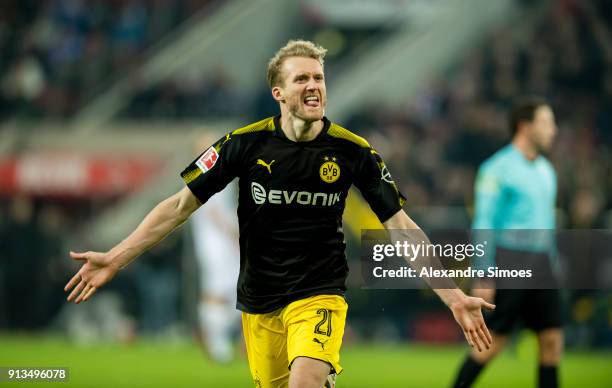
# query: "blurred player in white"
{"type": "Point", "coordinates": [215, 235]}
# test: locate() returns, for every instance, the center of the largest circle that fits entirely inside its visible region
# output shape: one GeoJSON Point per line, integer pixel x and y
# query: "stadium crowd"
{"type": "Point", "coordinates": [56, 54]}
{"type": "Point", "coordinates": [439, 138]}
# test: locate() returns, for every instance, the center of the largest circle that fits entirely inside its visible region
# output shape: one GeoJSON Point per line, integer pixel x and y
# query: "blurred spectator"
{"type": "Point", "coordinates": [53, 260]}
{"type": "Point", "coordinates": [157, 277]}
{"type": "Point", "coordinates": [22, 86]}
{"type": "Point", "coordinates": [22, 269]}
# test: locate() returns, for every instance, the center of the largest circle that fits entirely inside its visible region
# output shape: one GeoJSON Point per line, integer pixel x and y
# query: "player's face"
{"type": "Point", "coordinates": [543, 128]}
{"type": "Point", "coordinates": [303, 90]}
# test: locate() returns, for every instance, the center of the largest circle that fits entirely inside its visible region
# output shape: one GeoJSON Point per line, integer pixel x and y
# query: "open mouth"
{"type": "Point", "coordinates": [312, 101]}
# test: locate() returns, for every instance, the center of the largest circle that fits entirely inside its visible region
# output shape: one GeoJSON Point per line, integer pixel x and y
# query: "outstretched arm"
{"type": "Point", "coordinates": [100, 267]}
{"type": "Point", "coordinates": [466, 309]}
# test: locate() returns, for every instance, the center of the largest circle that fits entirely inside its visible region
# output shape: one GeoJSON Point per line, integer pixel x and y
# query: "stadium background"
{"type": "Point", "coordinates": [102, 101]}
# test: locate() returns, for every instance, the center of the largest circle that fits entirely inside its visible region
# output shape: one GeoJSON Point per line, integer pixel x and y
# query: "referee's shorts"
{"type": "Point", "coordinates": [536, 308]}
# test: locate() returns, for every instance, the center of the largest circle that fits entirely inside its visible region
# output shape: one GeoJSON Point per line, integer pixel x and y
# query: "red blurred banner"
{"type": "Point", "coordinates": [74, 174]}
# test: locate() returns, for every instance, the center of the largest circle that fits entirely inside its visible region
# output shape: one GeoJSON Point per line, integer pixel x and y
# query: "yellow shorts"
{"type": "Point", "coordinates": [311, 327]}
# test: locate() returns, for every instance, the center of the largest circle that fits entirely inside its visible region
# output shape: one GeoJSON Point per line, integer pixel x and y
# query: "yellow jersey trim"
{"type": "Point", "coordinates": [263, 125]}
{"type": "Point", "coordinates": [343, 133]}
{"type": "Point", "coordinates": [190, 176]}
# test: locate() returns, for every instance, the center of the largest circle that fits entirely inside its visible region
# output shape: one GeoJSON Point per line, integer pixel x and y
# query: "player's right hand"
{"type": "Point", "coordinates": [96, 271]}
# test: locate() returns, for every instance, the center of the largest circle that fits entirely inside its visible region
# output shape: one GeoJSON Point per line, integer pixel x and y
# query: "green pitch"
{"type": "Point", "coordinates": [150, 364]}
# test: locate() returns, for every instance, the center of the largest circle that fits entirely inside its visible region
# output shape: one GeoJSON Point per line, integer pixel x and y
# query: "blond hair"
{"type": "Point", "coordinates": [293, 48]}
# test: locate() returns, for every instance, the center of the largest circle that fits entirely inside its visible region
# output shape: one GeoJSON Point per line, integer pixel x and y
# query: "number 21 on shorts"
{"type": "Point", "coordinates": [324, 326]}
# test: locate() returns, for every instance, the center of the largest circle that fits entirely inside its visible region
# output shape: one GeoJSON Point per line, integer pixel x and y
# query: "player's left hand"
{"type": "Point", "coordinates": [468, 314]}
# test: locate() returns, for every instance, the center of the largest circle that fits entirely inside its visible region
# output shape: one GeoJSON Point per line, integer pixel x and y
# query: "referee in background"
{"type": "Point", "coordinates": [515, 197]}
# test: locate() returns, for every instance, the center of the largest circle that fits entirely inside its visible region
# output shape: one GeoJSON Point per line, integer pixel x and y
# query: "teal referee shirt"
{"type": "Point", "coordinates": [515, 202]}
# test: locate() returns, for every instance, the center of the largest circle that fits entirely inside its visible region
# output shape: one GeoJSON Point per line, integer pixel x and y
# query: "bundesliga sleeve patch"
{"type": "Point", "coordinates": [208, 159]}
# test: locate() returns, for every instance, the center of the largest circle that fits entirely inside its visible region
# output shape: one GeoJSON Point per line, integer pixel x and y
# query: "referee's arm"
{"type": "Point", "coordinates": [488, 193]}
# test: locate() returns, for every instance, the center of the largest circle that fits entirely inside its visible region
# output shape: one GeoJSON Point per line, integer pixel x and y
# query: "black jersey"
{"type": "Point", "coordinates": [291, 200]}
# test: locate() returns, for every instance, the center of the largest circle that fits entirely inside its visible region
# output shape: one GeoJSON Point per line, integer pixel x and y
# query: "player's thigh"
{"type": "Point", "coordinates": [308, 372]}
{"type": "Point", "coordinates": [315, 327]}
{"type": "Point", "coordinates": [266, 343]}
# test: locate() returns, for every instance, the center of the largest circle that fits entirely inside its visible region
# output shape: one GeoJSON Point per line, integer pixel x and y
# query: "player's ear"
{"type": "Point", "coordinates": [277, 94]}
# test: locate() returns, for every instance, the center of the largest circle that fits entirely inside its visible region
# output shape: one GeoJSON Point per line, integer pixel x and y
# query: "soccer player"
{"type": "Point", "coordinates": [515, 192]}
{"type": "Point", "coordinates": [294, 173]}
{"type": "Point", "coordinates": [215, 235]}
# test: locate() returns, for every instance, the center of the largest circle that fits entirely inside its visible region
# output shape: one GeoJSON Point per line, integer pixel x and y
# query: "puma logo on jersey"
{"type": "Point", "coordinates": [322, 343]}
{"type": "Point", "coordinates": [261, 162]}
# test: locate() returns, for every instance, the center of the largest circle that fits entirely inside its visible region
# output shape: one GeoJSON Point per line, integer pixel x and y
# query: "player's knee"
{"type": "Point", "coordinates": [551, 347]}
{"type": "Point", "coordinates": [308, 373]}
{"type": "Point", "coordinates": [483, 357]}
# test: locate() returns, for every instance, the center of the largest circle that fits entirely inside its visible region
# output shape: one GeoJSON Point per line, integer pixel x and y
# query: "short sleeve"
{"type": "Point", "coordinates": [377, 186]}
{"type": "Point", "coordinates": [213, 169]}
{"type": "Point", "coordinates": [488, 192]}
